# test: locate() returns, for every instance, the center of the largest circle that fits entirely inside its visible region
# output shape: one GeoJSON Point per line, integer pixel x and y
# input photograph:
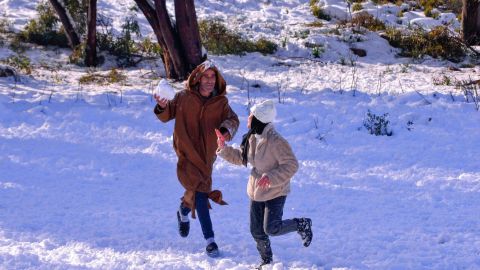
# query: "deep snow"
{"type": "Point", "coordinates": [87, 174]}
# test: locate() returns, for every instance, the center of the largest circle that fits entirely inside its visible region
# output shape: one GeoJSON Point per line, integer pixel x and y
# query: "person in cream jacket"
{"type": "Point", "coordinates": [273, 164]}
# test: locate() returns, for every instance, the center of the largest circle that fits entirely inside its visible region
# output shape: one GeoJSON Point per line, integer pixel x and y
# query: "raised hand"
{"type": "Point", "coordinates": [264, 182]}
{"type": "Point", "coordinates": [226, 136]}
{"type": "Point", "coordinates": [162, 102]}
{"type": "Point", "coordinates": [220, 139]}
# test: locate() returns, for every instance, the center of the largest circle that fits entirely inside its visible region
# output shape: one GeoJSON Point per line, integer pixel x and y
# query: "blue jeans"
{"type": "Point", "coordinates": [265, 220]}
{"type": "Point", "coordinates": [203, 213]}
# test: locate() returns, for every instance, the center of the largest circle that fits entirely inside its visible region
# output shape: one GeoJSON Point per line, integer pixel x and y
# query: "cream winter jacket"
{"type": "Point", "coordinates": [269, 154]}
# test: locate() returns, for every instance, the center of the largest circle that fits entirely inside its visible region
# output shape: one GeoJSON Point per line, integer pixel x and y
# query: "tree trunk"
{"type": "Point", "coordinates": [188, 32]}
{"type": "Point", "coordinates": [72, 36]}
{"type": "Point", "coordinates": [91, 49]}
{"type": "Point", "coordinates": [181, 46]}
{"type": "Point", "coordinates": [471, 21]}
{"type": "Point", "coordinates": [171, 39]}
{"type": "Point", "coordinates": [478, 20]}
{"type": "Point", "coordinates": [151, 15]}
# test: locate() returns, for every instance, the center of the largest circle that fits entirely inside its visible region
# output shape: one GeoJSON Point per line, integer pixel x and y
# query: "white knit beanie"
{"type": "Point", "coordinates": [264, 111]}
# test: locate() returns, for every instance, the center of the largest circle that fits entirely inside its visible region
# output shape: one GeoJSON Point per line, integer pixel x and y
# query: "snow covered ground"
{"type": "Point", "coordinates": [87, 173]}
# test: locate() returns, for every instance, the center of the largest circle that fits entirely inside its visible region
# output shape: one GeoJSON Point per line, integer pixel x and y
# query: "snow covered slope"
{"type": "Point", "coordinates": [87, 174]}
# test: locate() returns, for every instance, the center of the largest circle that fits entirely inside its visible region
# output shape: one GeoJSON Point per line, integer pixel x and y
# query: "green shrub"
{"type": "Point", "coordinates": [317, 11]}
{"type": "Point", "coordinates": [366, 20]}
{"type": "Point", "coordinates": [454, 5]}
{"type": "Point", "coordinates": [443, 80]}
{"type": "Point", "coordinates": [379, 2]}
{"type": "Point", "coordinates": [315, 24]}
{"type": "Point", "coordinates": [320, 13]}
{"type": "Point", "coordinates": [357, 7]}
{"type": "Point", "coordinates": [43, 30]}
{"type": "Point", "coordinates": [17, 46]}
{"type": "Point", "coordinates": [114, 76]}
{"type": "Point", "coordinates": [302, 34]}
{"type": "Point", "coordinates": [438, 43]}
{"type": "Point", "coordinates": [467, 65]}
{"type": "Point", "coordinates": [265, 46]}
{"type": "Point", "coordinates": [377, 124]}
{"type": "Point", "coordinates": [317, 51]}
{"type": "Point", "coordinates": [218, 39]}
{"type": "Point", "coordinates": [150, 48]}
{"type": "Point", "coordinates": [429, 13]}
{"type": "Point", "coordinates": [123, 46]}
{"type": "Point", "coordinates": [428, 5]}
{"type": "Point", "coordinates": [105, 39]}
{"type": "Point", "coordinates": [20, 62]}
{"type": "Point", "coordinates": [78, 55]}
{"type": "Point", "coordinates": [5, 25]}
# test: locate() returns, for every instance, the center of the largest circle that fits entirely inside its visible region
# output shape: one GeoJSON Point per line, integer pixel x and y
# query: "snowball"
{"type": "Point", "coordinates": [165, 90]}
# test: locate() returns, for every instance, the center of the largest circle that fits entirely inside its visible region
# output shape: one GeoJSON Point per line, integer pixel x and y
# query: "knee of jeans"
{"type": "Point", "coordinates": [257, 234]}
{"type": "Point", "coordinates": [272, 229]}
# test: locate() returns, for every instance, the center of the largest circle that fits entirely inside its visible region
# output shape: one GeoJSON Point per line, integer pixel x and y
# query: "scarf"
{"type": "Point", "coordinates": [256, 127]}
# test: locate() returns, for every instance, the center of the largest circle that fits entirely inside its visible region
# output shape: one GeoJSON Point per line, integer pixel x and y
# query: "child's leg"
{"type": "Point", "coordinates": [257, 210]}
{"type": "Point", "coordinates": [273, 223]}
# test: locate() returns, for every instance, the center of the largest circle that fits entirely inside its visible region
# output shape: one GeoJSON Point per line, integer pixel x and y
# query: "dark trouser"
{"type": "Point", "coordinates": [265, 220]}
{"type": "Point", "coordinates": [203, 213]}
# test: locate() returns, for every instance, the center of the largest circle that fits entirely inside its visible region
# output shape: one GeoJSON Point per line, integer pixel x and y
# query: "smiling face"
{"type": "Point", "coordinates": [207, 82]}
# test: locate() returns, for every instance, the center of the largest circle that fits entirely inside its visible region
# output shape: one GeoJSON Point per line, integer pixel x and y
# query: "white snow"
{"type": "Point", "coordinates": [165, 90]}
{"type": "Point", "coordinates": [88, 174]}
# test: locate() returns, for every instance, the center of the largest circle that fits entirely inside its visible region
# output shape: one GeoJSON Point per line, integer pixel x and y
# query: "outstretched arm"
{"type": "Point", "coordinates": [231, 154]}
{"type": "Point", "coordinates": [165, 109]}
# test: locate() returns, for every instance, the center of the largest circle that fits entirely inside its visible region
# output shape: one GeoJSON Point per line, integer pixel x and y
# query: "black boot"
{"type": "Point", "coordinates": [265, 250]}
{"type": "Point", "coordinates": [264, 262]}
{"type": "Point", "coordinates": [304, 228]}
{"type": "Point", "coordinates": [183, 227]}
{"type": "Point", "coordinates": [212, 250]}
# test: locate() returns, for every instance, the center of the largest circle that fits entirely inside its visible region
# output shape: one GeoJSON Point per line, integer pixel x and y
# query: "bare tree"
{"type": "Point", "coordinates": [149, 12]}
{"type": "Point", "coordinates": [73, 36]}
{"type": "Point", "coordinates": [91, 48]}
{"type": "Point", "coordinates": [180, 42]}
{"type": "Point", "coordinates": [471, 21]}
{"type": "Point", "coordinates": [187, 26]}
{"type": "Point", "coordinates": [60, 9]}
{"type": "Point", "coordinates": [171, 38]}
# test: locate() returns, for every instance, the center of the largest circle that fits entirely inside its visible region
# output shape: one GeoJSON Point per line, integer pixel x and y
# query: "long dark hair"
{"type": "Point", "coordinates": [256, 127]}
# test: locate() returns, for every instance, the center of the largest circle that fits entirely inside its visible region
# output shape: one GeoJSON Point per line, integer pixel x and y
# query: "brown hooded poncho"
{"type": "Point", "coordinates": [194, 139]}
